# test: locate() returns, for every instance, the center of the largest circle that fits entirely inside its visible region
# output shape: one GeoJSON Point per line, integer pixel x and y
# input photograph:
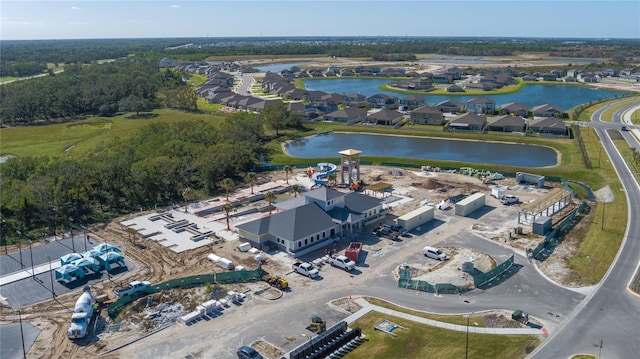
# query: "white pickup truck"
{"type": "Point", "coordinates": [306, 269]}
{"type": "Point", "coordinates": [131, 288]}
{"type": "Point", "coordinates": [342, 262]}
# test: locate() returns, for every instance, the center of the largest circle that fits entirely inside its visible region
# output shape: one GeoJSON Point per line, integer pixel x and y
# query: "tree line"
{"type": "Point", "coordinates": [159, 165]}
{"type": "Point", "coordinates": [93, 90]}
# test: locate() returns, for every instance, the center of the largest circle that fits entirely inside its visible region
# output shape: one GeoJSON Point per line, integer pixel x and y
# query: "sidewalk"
{"type": "Point", "coordinates": [367, 307]}
{"type": "Point", "coordinates": [26, 272]}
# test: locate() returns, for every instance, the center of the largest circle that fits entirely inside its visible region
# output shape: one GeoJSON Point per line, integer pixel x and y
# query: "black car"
{"type": "Point", "coordinates": [246, 352]}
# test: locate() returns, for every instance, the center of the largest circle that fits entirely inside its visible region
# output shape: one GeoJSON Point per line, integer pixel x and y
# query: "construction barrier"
{"type": "Point", "coordinates": [405, 281]}
{"type": "Point", "coordinates": [483, 278]}
{"type": "Point", "coordinates": [187, 282]}
{"type": "Point", "coordinates": [554, 238]}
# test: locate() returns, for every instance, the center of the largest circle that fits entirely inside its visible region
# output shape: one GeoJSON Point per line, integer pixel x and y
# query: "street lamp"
{"type": "Point", "coordinates": [2, 238]}
{"type": "Point", "coordinates": [85, 236]}
{"type": "Point", "coordinates": [20, 248]}
{"type": "Point", "coordinates": [24, 351]}
{"type": "Point", "coordinates": [466, 353]}
{"type": "Point", "coordinates": [73, 245]}
{"type": "Point", "coordinates": [53, 293]}
{"type": "Point", "coordinates": [33, 273]}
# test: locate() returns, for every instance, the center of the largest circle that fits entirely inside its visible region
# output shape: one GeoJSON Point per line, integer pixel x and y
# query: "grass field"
{"type": "Point", "coordinates": [78, 137]}
{"type": "Point", "coordinates": [453, 319]}
{"type": "Point", "coordinates": [7, 78]}
{"type": "Point", "coordinates": [608, 114]}
{"type": "Point", "coordinates": [423, 341]}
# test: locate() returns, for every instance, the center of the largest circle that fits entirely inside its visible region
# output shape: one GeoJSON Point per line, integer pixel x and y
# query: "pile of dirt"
{"type": "Point", "coordinates": [347, 304]}
{"type": "Point", "coordinates": [267, 349]}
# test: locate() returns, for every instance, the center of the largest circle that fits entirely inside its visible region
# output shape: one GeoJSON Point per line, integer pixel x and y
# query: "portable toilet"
{"type": "Point", "coordinates": [542, 225]}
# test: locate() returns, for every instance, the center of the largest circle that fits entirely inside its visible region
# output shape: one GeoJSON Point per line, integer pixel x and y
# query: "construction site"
{"type": "Point", "coordinates": [174, 243]}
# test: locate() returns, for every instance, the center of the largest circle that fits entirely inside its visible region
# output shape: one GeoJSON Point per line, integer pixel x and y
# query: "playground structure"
{"type": "Point", "coordinates": [350, 160]}
{"type": "Point", "coordinates": [324, 170]}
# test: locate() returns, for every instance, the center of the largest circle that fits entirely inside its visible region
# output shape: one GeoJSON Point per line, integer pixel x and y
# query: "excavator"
{"type": "Point", "coordinates": [317, 325]}
{"type": "Point", "coordinates": [276, 282]}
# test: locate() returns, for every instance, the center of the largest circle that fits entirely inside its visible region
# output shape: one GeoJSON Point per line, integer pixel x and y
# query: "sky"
{"type": "Point", "coordinates": [90, 19]}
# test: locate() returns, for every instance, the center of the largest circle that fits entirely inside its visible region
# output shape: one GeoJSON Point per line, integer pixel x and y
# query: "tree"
{"type": "Point", "coordinates": [275, 116]}
{"type": "Point", "coordinates": [133, 103]}
{"type": "Point", "coordinates": [228, 208]}
{"type": "Point", "coordinates": [269, 197]}
{"type": "Point", "coordinates": [189, 195]}
{"type": "Point", "coordinates": [287, 169]}
{"type": "Point", "coordinates": [295, 189]}
{"type": "Point", "coordinates": [251, 177]}
{"type": "Point", "coordinates": [331, 179]}
{"type": "Point", "coordinates": [228, 185]}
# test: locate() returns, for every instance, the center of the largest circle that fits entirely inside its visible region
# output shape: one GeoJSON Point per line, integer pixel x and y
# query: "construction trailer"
{"type": "Point", "coordinates": [470, 204]}
{"type": "Point", "coordinates": [416, 218]}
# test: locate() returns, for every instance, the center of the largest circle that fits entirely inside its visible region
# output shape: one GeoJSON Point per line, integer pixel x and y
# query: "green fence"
{"type": "Point", "coordinates": [405, 281]}
{"type": "Point", "coordinates": [554, 238]}
{"type": "Point", "coordinates": [483, 278]}
{"type": "Point", "coordinates": [187, 282]}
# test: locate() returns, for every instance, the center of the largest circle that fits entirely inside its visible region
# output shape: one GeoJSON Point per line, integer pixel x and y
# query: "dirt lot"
{"type": "Point", "coordinates": [157, 264]}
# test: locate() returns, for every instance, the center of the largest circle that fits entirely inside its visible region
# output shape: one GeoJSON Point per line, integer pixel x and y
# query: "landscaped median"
{"type": "Point", "coordinates": [420, 337]}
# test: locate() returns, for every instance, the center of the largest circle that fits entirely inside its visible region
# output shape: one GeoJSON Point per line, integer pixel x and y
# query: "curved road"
{"type": "Point", "coordinates": [608, 322]}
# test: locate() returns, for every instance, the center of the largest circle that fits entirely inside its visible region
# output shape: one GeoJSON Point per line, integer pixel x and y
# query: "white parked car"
{"type": "Point", "coordinates": [434, 253]}
{"type": "Point", "coordinates": [509, 199]}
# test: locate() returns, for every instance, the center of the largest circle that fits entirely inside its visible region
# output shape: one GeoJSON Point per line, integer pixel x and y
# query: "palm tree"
{"type": "Point", "coordinates": [331, 179]}
{"type": "Point", "coordinates": [287, 169]}
{"type": "Point", "coordinates": [251, 178]}
{"type": "Point", "coordinates": [228, 185]}
{"type": "Point", "coordinates": [228, 208]}
{"type": "Point", "coordinates": [269, 197]}
{"type": "Point", "coordinates": [295, 189]}
{"type": "Point", "coordinates": [189, 195]}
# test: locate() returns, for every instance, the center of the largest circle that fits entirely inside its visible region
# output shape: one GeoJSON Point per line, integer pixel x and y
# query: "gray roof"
{"type": "Point", "coordinates": [547, 122]}
{"type": "Point", "coordinates": [469, 118]}
{"type": "Point", "coordinates": [294, 224]}
{"type": "Point", "coordinates": [324, 194]}
{"type": "Point", "coordinates": [385, 115]}
{"type": "Point", "coordinates": [514, 106]}
{"type": "Point", "coordinates": [481, 100]}
{"type": "Point", "coordinates": [426, 109]}
{"type": "Point", "coordinates": [507, 120]}
{"type": "Point", "coordinates": [348, 112]}
{"type": "Point", "coordinates": [360, 203]}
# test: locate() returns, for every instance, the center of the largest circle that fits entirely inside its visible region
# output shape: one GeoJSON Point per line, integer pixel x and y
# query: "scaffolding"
{"type": "Point", "coordinates": [553, 203]}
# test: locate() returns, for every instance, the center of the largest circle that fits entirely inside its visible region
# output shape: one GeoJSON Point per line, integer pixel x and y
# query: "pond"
{"type": "Point", "coordinates": [532, 95]}
{"type": "Point", "coordinates": [328, 145]}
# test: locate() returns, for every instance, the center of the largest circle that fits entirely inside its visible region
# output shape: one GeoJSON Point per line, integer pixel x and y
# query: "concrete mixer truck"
{"type": "Point", "coordinates": [82, 314]}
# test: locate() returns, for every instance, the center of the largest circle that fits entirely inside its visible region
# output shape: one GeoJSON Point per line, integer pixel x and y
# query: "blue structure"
{"type": "Point", "coordinates": [325, 169]}
{"type": "Point", "coordinates": [68, 273]}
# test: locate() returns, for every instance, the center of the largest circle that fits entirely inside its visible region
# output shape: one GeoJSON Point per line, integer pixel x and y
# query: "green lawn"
{"type": "Point", "coordinates": [7, 78]}
{"type": "Point", "coordinates": [423, 341]}
{"type": "Point", "coordinates": [599, 242]}
{"type": "Point", "coordinates": [608, 114]}
{"type": "Point", "coordinates": [453, 319]}
{"type": "Point", "coordinates": [635, 117]}
{"type": "Point", "coordinates": [83, 135]}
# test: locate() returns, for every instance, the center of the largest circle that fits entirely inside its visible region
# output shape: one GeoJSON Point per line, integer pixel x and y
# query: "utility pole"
{"type": "Point", "coordinates": [33, 273]}
{"type": "Point", "coordinates": [53, 293]}
{"type": "Point", "coordinates": [24, 351]}
{"type": "Point", "coordinates": [20, 248]}
{"type": "Point", "coordinates": [73, 244]}
{"type": "Point", "coordinates": [603, 205]}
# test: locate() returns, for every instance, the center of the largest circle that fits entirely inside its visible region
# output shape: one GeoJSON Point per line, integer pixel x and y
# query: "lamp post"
{"type": "Point", "coordinates": [20, 248]}
{"type": "Point", "coordinates": [73, 245]}
{"type": "Point", "coordinates": [466, 352]}
{"type": "Point", "coordinates": [24, 351]}
{"type": "Point", "coordinates": [53, 293]}
{"type": "Point", "coordinates": [85, 236]}
{"type": "Point", "coordinates": [33, 273]}
{"type": "Point", "coordinates": [2, 238]}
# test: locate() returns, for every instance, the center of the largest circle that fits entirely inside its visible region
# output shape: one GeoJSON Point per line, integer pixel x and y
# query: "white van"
{"type": "Point", "coordinates": [434, 253]}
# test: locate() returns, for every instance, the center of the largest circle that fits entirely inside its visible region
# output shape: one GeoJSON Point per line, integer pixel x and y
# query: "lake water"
{"type": "Point", "coordinates": [424, 148]}
{"type": "Point", "coordinates": [532, 95]}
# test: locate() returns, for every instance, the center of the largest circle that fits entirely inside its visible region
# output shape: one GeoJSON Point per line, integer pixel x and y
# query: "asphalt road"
{"type": "Point", "coordinates": [607, 323]}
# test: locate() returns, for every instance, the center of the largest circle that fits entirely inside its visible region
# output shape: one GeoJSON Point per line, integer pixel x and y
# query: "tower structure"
{"type": "Point", "coordinates": [350, 162]}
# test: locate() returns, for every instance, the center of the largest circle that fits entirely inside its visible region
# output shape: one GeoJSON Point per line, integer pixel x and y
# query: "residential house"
{"type": "Point", "coordinates": [428, 115]}
{"type": "Point", "coordinates": [513, 108]}
{"type": "Point", "coordinates": [529, 78]}
{"type": "Point", "coordinates": [313, 221]}
{"type": "Point", "coordinates": [354, 98]}
{"type": "Point", "coordinates": [548, 125]}
{"type": "Point", "coordinates": [549, 76]}
{"type": "Point", "coordinates": [382, 100]}
{"type": "Point", "coordinates": [507, 123]}
{"type": "Point", "coordinates": [450, 106]}
{"type": "Point", "coordinates": [347, 114]}
{"type": "Point", "coordinates": [411, 101]}
{"type": "Point", "coordinates": [481, 105]}
{"type": "Point", "coordinates": [484, 86]}
{"type": "Point", "coordinates": [385, 117]}
{"type": "Point", "coordinates": [546, 110]}
{"type": "Point", "coordinates": [455, 88]}
{"type": "Point", "coordinates": [347, 73]}
{"type": "Point", "coordinates": [468, 122]}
